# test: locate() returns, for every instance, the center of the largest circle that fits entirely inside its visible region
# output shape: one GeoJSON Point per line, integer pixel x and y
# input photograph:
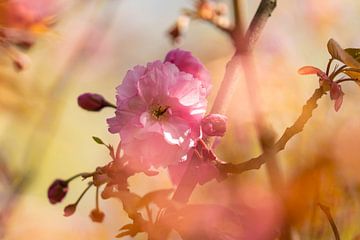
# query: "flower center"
{"type": "Point", "coordinates": [158, 111]}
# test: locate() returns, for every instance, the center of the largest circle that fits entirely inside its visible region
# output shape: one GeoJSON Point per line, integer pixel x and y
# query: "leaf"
{"type": "Point", "coordinates": [354, 74]}
{"type": "Point", "coordinates": [98, 140]}
{"type": "Point", "coordinates": [354, 52]}
{"type": "Point", "coordinates": [340, 54]}
{"type": "Point", "coordinates": [312, 70]}
{"type": "Point", "coordinates": [159, 197]}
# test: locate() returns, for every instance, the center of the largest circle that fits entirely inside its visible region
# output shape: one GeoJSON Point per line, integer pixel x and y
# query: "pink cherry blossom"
{"type": "Point", "coordinates": [159, 110]}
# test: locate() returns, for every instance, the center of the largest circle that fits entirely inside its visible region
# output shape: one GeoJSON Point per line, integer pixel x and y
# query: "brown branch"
{"type": "Point", "coordinates": [297, 127]}
{"type": "Point", "coordinates": [258, 22]}
{"type": "Point", "coordinates": [299, 124]}
{"type": "Point", "coordinates": [326, 210]}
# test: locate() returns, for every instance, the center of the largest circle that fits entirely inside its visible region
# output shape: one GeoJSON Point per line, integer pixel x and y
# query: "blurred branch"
{"type": "Point", "coordinates": [227, 88]}
{"type": "Point", "coordinates": [326, 210]}
{"type": "Point", "coordinates": [243, 47]}
{"type": "Point", "coordinates": [237, 17]}
{"type": "Point", "coordinates": [258, 23]}
{"type": "Point", "coordinates": [244, 58]}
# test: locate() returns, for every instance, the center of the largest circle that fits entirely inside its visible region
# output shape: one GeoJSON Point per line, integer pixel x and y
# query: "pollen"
{"type": "Point", "coordinates": [159, 112]}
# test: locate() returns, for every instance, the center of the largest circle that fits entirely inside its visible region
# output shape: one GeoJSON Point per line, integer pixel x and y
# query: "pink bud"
{"type": "Point", "coordinates": [214, 125]}
{"type": "Point", "coordinates": [70, 210]}
{"type": "Point", "coordinates": [93, 102]}
{"type": "Point", "coordinates": [57, 191]}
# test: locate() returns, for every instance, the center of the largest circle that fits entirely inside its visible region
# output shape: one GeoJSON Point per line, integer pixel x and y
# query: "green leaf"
{"type": "Point", "coordinates": [354, 52]}
{"type": "Point", "coordinates": [340, 54]}
{"type": "Point", "coordinates": [98, 140]}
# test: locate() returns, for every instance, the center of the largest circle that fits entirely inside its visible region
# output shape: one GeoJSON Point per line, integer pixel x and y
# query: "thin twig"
{"type": "Point", "coordinates": [297, 127]}
{"type": "Point", "coordinates": [334, 228]}
{"type": "Point", "coordinates": [299, 124]}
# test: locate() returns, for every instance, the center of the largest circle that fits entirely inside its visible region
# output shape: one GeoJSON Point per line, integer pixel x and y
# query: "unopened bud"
{"type": "Point", "coordinates": [57, 191]}
{"type": "Point", "coordinates": [70, 210]}
{"type": "Point", "coordinates": [214, 125]}
{"type": "Point", "coordinates": [93, 102]}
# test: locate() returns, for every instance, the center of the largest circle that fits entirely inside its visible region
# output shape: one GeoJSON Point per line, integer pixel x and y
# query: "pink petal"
{"type": "Point", "coordinates": [312, 70]}
{"type": "Point", "coordinates": [186, 62]}
{"type": "Point", "coordinates": [335, 91]}
{"type": "Point", "coordinates": [338, 103]}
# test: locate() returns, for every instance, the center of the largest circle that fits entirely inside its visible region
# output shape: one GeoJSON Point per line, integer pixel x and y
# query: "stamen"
{"type": "Point", "coordinates": [159, 111]}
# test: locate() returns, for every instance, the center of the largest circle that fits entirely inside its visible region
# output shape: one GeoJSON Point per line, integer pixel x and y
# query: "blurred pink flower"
{"type": "Point", "coordinates": [28, 14]}
{"type": "Point", "coordinates": [159, 110]}
{"type": "Point", "coordinates": [22, 20]}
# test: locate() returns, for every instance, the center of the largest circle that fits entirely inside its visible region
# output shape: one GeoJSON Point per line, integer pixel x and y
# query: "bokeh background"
{"type": "Point", "coordinates": [45, 135]}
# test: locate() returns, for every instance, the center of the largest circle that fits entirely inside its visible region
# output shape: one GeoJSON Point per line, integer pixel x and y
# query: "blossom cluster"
{"type": "Point", "coordinates": [160, 118]}
{"type": "Point", "coordinates": [21, 22]}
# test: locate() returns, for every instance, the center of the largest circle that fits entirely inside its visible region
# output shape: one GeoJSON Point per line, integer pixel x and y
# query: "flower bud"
{"type": "Point", "coordinates": [57, 191]}
{"type": "Point", "coordinates": [214, 125]}
{"type": "Point", "coordinates": [97, 216]}
{"type": "Point", "coordinates": [70, 210]}
{"type": "Point", "coordinates": [92, 102]}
